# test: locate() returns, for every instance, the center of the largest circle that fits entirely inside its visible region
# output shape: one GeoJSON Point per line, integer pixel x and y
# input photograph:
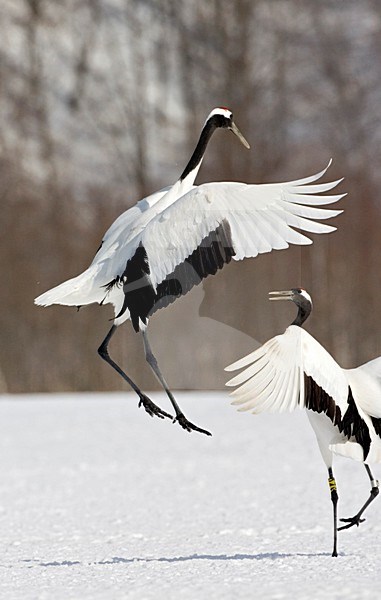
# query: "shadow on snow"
{"type": "Point", "coordinates": [176, 559]}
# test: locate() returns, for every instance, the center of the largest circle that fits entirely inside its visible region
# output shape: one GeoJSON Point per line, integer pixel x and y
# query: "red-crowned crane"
{"type": "Point", "coordinates": [119, 272]}
{"type": "Point", "coordinates": [343, 405]}
{"type": "Point", "coordinates": [157, 251]}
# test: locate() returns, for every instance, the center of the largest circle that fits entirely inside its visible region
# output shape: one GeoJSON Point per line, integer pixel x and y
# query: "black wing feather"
{"type": "Point", "coordinates": [215, 250]}
{"type": "Point", "coordinates": [317, 400]}
{"type": "Point", "coordinates": [351, 424]}
{"type": "Point", "coordinates": [140, 297]}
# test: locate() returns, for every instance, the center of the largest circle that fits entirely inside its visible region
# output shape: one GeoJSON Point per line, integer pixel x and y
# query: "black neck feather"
{"type": "Point", "coordinates": [199, 151]}
{"type": "Point", "coordinates": [304, 311]}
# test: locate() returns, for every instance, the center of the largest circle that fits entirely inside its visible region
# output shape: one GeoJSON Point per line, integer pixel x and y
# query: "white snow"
{"type": "Point", "coordinates": [99, 501]}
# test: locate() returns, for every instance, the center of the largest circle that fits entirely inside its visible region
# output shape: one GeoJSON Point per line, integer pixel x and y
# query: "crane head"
{"type": "Point", "coordinates": [223, 117]}
{"type": "Point", "coordinates": [299, 296]}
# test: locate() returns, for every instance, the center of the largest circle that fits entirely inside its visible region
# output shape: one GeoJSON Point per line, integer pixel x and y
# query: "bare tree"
{"type": "Point", "coordinates": [101, 103]}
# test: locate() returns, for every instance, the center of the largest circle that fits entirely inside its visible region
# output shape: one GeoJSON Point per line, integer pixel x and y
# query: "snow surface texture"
{"type": "Point", "coordinates": [98, 500]}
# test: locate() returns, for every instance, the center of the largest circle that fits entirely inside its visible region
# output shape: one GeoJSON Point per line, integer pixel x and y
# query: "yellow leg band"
{"type": "Point", "coordinates": [332, 484]}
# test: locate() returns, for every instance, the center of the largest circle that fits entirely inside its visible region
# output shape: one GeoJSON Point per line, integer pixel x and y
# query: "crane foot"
{"type": "Point", "coordinates": [188, 426]}
{"type": "Point", "coordinates": [151, 408]}
{"type": "Point", "coordinates": [351, 522]}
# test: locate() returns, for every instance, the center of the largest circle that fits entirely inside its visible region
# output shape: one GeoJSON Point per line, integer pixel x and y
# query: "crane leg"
{"type": "Point", "coordinates": [356, 520]}
{"type": "Point", "coordinates": [334, 498]}
{"type": "Point", "coordinates": [180, 417]}
{"type": "Point", "coordinates": [149, 406]}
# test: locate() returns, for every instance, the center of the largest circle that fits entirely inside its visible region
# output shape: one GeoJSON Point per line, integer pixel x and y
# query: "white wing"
{"type": "Point", "coordinates": [118, 245]}
{"type": "Point", "coordinates": [274, 379]}
{"type": "Point", "coordinates": [259, 218]}
{"type": "Point", "coordinates": [127, 225]}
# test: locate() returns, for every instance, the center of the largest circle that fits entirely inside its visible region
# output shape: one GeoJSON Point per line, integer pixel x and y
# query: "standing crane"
{"type": "Point", "coordinates": [343, 405]}
{"type": "Point", "coordinates": [159, 250]}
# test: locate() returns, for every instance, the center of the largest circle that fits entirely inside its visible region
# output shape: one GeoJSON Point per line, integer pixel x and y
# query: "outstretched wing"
{"type": "Point", "coordinates": [259, 218]}
{"type": "Point", "coordinates": [290, 370]}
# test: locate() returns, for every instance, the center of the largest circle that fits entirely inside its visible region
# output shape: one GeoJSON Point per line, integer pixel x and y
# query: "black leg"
{"type": "Point", "coordinates": [334, 498]}
{"type": "Point", "coordinates": [149, 406]}
{"type": "Point", "coordinates": [180, 417]}
{"type": "Point", "coordinates": [356, 520]}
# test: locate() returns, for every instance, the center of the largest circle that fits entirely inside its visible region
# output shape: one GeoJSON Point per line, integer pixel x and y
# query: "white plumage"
{"type": "Point", "coordinates": [293, 370]}
{"type": "Point", "coordinates": [260, 218]}
{"type": "Point", "coordinates": [168, 243]}
{"type": "Point", "coordinates": [171, 224]}
{"type": "Point", "coordinates": [274, 379]}
{"type": "Point", "coordinates": [109, 262]}
{"type": "Point", "coordinates": [121, 270]}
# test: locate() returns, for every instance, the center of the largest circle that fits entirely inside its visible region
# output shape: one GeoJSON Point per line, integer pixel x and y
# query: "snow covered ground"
{"type": "Point", "coordinates": [98, 500]}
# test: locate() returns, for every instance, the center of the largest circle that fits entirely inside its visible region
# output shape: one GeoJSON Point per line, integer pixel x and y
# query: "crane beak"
{"type": "Point", "coordinates": [283, 295]}
{"type": "Point", "coordinates": [233, 127]}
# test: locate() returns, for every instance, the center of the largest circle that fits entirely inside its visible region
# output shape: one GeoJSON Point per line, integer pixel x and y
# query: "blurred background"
{"type": "Point", "coordinates": [102, 102]}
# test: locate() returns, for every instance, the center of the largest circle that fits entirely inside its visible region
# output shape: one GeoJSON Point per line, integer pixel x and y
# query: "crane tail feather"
{"type": "Point", "coordinates": [78, 291]}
